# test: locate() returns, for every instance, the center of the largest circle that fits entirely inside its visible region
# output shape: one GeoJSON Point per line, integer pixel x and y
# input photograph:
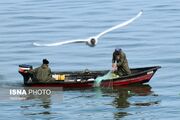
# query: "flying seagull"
{"type": "Point", "coordinates": [92, 41]}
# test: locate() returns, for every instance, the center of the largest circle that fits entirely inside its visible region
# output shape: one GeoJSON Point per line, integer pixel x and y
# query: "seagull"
{"type": "Point", "coordinates": [93, 40]}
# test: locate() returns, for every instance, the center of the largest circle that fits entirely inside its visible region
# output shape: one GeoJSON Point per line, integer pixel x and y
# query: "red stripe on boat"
{"type": "Point", "coordinates": [140, 79]}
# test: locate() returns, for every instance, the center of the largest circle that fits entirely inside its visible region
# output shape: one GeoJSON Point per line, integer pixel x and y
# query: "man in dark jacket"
{"type": "Point", "coordinates": [43, 73]}
{"type": "Point", "coordinates": [120, 63]}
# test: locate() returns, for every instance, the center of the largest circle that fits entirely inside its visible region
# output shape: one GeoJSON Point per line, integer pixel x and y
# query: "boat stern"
{"type": "Point", "coordinates": [23, 70]}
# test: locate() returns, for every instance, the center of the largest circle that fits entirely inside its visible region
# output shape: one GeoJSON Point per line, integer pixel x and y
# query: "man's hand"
{"type": "Point", "coordinates": [114, 67]}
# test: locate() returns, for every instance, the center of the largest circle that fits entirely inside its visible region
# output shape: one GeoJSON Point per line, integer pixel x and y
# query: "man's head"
{"type": "Point", "coordinates": [118, 49]}
{"type": "Point", "coordinates": [45, 61]}
{"type": "Point", "coordinates": [117, 53]}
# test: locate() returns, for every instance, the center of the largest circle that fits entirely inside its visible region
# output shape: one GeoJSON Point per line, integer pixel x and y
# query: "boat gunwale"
{"type": "Point", "coordinates": [103, 71]}
{"type": "Point", "coordinates": [153, 68]}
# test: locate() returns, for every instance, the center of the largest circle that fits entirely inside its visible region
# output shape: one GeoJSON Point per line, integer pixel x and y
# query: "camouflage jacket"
{"type": "Point", "coordinates": [122, 63]}
{"type": "Point", "coordinates": [42, 73]}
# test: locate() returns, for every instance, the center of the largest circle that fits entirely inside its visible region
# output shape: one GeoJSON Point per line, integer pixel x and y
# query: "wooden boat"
{"type": "Point", "coordinates": [78, 79]}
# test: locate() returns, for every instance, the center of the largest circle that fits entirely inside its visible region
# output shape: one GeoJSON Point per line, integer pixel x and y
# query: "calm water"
{"type": "Point", "coordinates": [151, 40]}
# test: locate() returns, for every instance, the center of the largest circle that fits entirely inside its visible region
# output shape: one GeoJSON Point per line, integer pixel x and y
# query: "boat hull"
{"type": "Point", "coordinates": [139, 76]}
{"type": "Point", "coordinates": [134, 80]}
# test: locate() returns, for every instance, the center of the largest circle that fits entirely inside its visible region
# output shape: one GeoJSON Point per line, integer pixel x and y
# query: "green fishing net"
{"type": "Point", "coordinates": [109, 75]}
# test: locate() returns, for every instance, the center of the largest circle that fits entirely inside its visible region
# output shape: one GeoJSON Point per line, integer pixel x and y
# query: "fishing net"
{"type": "Point", "coordinates": [109, 75]}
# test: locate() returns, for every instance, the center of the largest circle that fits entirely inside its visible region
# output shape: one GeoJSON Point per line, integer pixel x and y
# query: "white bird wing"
{"type": "Point", "coordinates": [62, 43]}
{"type": "Point", "coordinates": [95, 37]}
{"type": "Point", "coordinates": [121, 24]}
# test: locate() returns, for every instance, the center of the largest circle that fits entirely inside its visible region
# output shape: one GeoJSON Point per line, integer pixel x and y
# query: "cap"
{"type": "Point", "coordinates": [118, 49]}
{"type": "Point", "coordinates": [45, 61]}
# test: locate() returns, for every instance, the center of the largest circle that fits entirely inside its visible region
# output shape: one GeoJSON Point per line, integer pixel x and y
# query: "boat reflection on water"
{"type": "Point", "coordinates": [128, 97]}
{"type": "Point", "coordinates": [36, 104]}
{"type": "Point", "coordinates": [126, 100]}
{"type": "Point", "coordinates": [32, 103]}
{"type": "Point", "coordinates": [123, 93]}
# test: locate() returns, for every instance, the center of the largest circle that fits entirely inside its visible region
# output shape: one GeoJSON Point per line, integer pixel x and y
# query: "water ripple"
{"type": "Point", "coordinates": [151, 40]}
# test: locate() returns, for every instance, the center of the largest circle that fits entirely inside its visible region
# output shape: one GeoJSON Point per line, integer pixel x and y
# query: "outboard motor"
{"type": "Point", "coordinates": [23, 70]}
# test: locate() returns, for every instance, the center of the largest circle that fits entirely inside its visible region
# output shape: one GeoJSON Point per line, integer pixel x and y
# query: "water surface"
{"type": "Point", "coordinates": [151, 40]}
